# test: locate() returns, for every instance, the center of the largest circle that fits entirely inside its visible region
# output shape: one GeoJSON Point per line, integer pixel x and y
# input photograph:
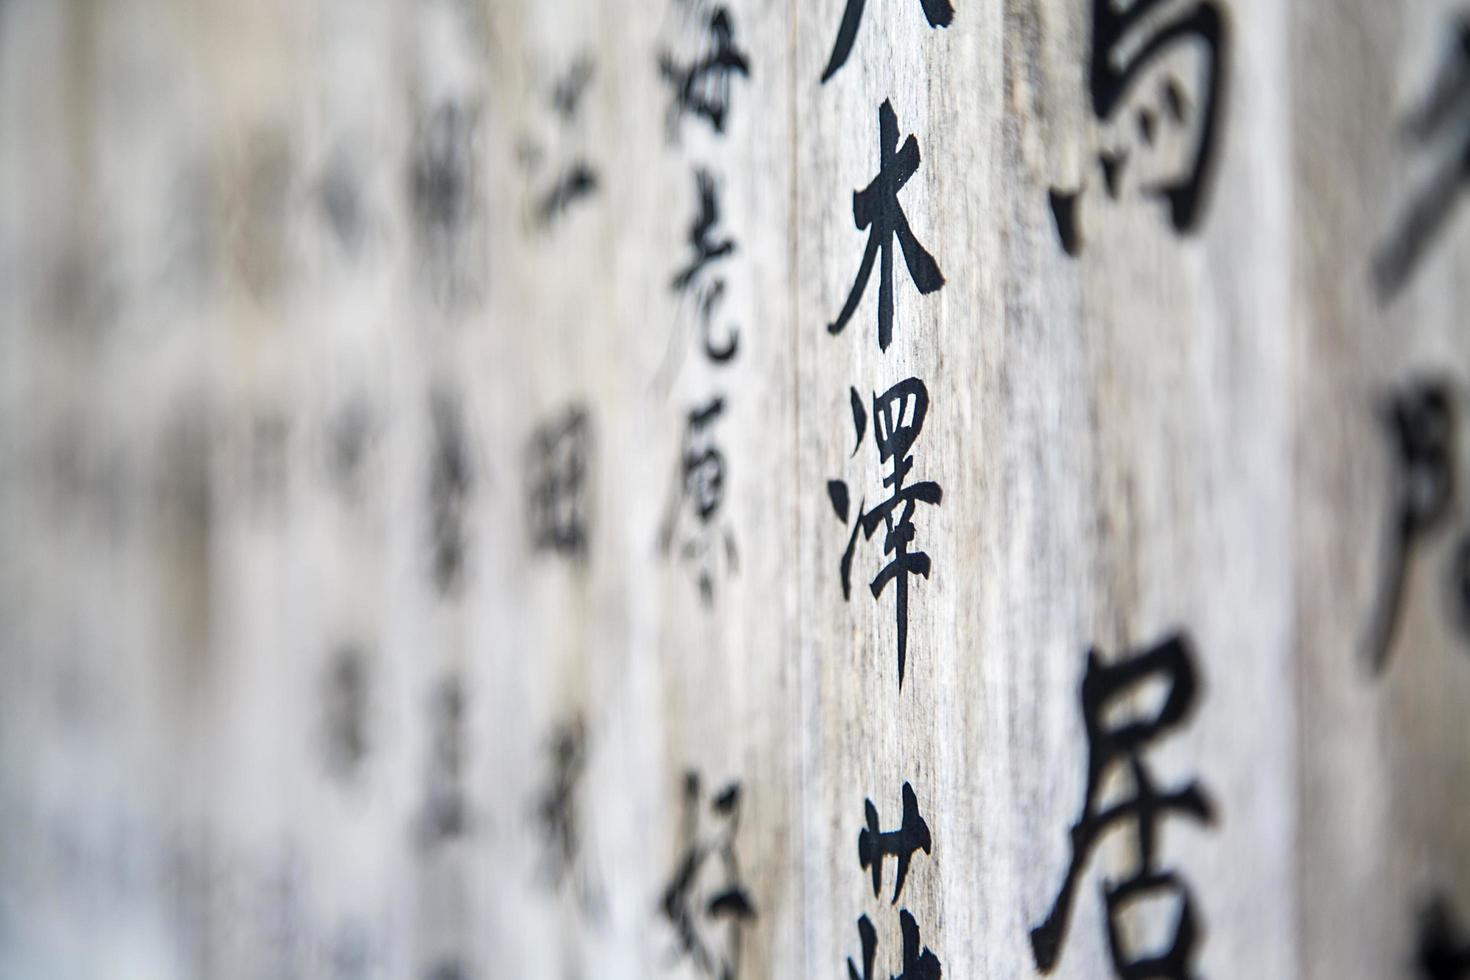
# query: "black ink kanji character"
{"type": "Point", "coordinates": [1443, 955]}
{"type": "Point", "coordinates": [1443, 116]}
{"type": "Point", "coordinates": [446, 815]}
{"type": "Point", "coordinates": [579, 180]}
{"type": "Point", "coordinates": [700, 488]}
{"type": "Point", "coordinates": [876, 208]}
{"type": "Point", "coordinates": [347, 693]}
{"type": "Point", "coordinates": [1421, 422]}
{"type": "Point", "coordinates": [708, 248]}
{"type": "Point", "coordinates": [443, 175]}
{"type": "Point", "coordinates": [450, 485]}
{"type": "Point", "coordinates": [1126, 42]}
{"type": "Point", "coordinates": [1121, 741]}
{"type": "Point", "coordinates": [447, 200]}
{"type": "Point", "coordinates": [560, 487]}
{"type": "Point", "coordinates": [557, 810]}
{"type": "Point", "coordinates": [695, 907]}
{"type": "Point", "coordinates": [939, 13]}
{"type": "Point", "coordinates": [559, 818]}
{"type": "Point", "coordinates": [875, 845]}
{"type": "Point", "coordinates": [919, 962]}
{"type": "Point", "coordinates": [575, 179]}
{"type": "Point", "coordinates": [340, 197]}
{"type": "Point", "coordinates": [1460, 585]}
{"type": "Point", "coordinates": [898, 418]}
{"type": "Point", "coordinates": [703, 87]}
{"type": "Point", "coordinates": [567, 92]}
{"type": "Point", "coordinates": [349, 437]}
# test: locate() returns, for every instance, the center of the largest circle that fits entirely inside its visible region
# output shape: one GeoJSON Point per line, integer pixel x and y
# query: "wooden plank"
{"type": "Point", "coordinates": [1384, 749]}
{"type": "Point", "coordinates": [431, 438]}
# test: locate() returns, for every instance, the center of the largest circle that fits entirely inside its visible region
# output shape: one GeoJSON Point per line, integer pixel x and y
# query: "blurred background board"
{"type": "Point", "coordinates": [741, 489]}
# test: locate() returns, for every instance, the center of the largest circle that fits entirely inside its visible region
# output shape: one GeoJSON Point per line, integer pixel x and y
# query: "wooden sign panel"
{"type": "Point", "coordinates": [734, 489]}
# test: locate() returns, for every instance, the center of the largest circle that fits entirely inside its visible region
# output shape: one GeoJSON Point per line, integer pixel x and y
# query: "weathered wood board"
{"type": "Point", "coordinates": [733, 489]}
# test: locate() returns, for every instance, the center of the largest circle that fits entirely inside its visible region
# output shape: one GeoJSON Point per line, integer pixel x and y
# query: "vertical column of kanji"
{"type": "Point", "coordinates": [46, 760]}
{"type": "Point", "coordinates": [263, 588]}
{"type": "Point", "coordinates": [558, 889]}
{"type": "Point", "coordinates": [52, 755]}
{"type": "Point", "coordinates": [449, 474]}
{"type": "Point", "coordinates": [23, 726]}
{"type": "Point", "coordinates": [363, 494]}
{"type": "Point", "coordinates": [908, 630]}
{"type": "Point", "coordinates": [705, 315]}
{"type": "Point", "coordinates": [1381, 135]}
{"type": "Point", "coordinates": [103, 469]}
{"type": "Point", "coordinates": [1157, 724]}
{"type": "Point", "coordinates": [29, 154]}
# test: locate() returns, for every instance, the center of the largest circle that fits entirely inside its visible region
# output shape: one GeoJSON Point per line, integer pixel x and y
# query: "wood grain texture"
{"type": "Point", "coordinates": [288, 302]}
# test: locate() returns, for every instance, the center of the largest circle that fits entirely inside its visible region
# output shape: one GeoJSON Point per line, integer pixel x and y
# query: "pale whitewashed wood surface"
{"type": "Point", "coordinates": [284, 316]}
{"type": "Point", "coordinates": [1381, 827]}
